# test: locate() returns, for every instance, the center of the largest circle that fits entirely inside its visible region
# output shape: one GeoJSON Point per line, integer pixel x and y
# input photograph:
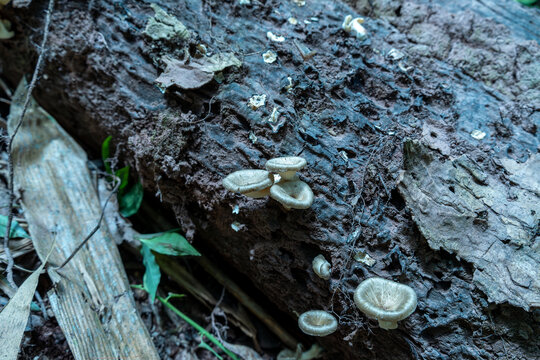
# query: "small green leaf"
{"type": "Point", "coordinates": [16, 230]}
{"type": "Point", "coordinates": [123, 174]}
{"type": "Point", "coordinates": [131, 200]}
{"type": "Point", "coordinates": [34, 306]}
{"type": "Point", "coordinates": [527, 2]}
{"type": "Point", "coordinates": [152, 275]}
{"type": "Point", "coordinates": [106, 153]}
{"type": "Point", "coordinates": [169, 243]}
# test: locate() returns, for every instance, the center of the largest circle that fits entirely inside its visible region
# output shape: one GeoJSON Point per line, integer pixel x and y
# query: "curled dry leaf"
{"type": "Point", "coordinates": [196, 73]}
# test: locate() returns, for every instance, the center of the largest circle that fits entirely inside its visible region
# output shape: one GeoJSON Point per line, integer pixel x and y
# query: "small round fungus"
{"type": "Point", "coordinates": [385, 300]}
{"type": "Point", "coordinates": [317, 323]}
{"type": "Point", "coordinates": [294, 194]}
{"type": "Point", "coordinates": [286, 166]}
{"type": "Point", "coordinates": [321, 267]}
{"type": "Point", "coordinates": [252, 183]}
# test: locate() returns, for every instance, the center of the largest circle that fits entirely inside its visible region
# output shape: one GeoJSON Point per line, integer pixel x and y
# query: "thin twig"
{"type": "Point", "coordinates": [214, 313]}
{"type": "Point", "coordinates": [98, 225]}
{"type": "Point", "coordinates": [41, 305]}
{"type": "Point", "coordinates": [35, 75]}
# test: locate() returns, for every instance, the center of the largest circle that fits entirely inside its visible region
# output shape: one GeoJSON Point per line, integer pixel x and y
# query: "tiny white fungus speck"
{"type": "Point", "coordinates": [257, 101]}
{"type": "Point", "coordinates": [354, 26]}
{"type": "Point", "coordinates": [270, 35]}
{"type": "Point", "coordinates": [478, 135]}
{"type": "Point", "coordinates": [364, 258]}
{"type": "Point", "coordinates": [404, 68]}
{"type": "Point", "coordinates": [289, 87]}
{"type": "Point", "coordinates": [292, 20]}
{"type": "Point", "coordinates": [269, 57]}
{"type": "Point", "coordinates": [274, 116]}
{"type": "Point", "coordinates": [395, 54]}
{"type": "Point", "coordinates": [252, 137]}
{"type": "Point", "coordinates": [236, 226]}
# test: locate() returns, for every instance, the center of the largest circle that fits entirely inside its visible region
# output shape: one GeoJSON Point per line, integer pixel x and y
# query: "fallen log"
{"type": "Point", "coordinates": [342, 103]}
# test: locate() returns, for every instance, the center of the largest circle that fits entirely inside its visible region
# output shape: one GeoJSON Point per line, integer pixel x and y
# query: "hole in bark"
{"type": "Point", "coordinates": [357, 82]}
{"type": "Point", "coordinates": [443, 285]}
{"type": "Point", "coordinates": [397, 200]}
{"type": "Point", "coordinates": [299, 275]}
{"type": "Point", "coordinates": [287, 255]}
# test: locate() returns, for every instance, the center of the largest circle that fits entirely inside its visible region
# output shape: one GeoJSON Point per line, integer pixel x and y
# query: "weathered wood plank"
{"type": "Point", "coordinates": [91, 299]}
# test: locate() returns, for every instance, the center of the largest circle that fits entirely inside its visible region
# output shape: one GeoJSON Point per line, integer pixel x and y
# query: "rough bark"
{"type": "Point", "coordinates": [346, 110]}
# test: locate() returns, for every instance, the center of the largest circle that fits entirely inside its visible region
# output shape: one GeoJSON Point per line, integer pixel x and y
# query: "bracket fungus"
{"type": "Point", "coordinates": [294, 194]}
{"type": "Point", "coordinates": [321, 267]}
{"type": "Point", "coordinates": [317, 323]}
{"type": "Point", "coordinates": [286, 166]}
{"type": "Point", "coordinates": [251, 183]}
{"type": "Point", "coordinates": [385, 300]}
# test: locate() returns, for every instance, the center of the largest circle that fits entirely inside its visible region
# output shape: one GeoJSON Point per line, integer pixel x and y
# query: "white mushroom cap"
{"type": "Point", "coordinates": [317, 323]}
{"type": "Point", "coordinates": [286, 166]}
{"type": "Point", "coordinates": [252, 183]}
{"type": "Point", "coordinates": [294, 194]}
{"type": "Point", "coordinates": [321, 267]}
{"type": "Point", "coordinates": [385, 300]}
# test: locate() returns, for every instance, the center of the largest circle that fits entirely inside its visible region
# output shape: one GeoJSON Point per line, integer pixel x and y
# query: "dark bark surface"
{"type": "Point", "coordinates": [347, 112]}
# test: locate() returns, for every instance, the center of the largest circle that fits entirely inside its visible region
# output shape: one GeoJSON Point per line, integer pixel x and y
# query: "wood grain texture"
{"type": "Point", "coordinates": [91, 299]}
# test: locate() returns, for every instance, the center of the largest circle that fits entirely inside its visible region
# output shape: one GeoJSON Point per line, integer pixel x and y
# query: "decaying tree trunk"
{"type": "Point", "coordinates": [463, 87]}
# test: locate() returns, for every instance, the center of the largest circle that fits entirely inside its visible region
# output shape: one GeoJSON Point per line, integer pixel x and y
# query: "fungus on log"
{"type": "Point", "coordinates": [346, 111]}
{"type": "Point", "coordinates": [317, 323]}
{"type": "Point", "coordinates": [385, 300]}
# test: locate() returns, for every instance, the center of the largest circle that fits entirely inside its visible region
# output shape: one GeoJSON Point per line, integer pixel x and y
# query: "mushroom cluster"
{"type": "Point", "coordinates": [279, 180]}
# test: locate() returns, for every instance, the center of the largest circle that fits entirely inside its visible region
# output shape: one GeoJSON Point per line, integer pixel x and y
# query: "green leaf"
{"type": "Point", "coordinates": [169, 243]}
{"type": "Point", "coordinates": [16, 230]}
{"type": "Point", "coordinates": [106, 153]}
{"type": "Point", "coordinates": [131, 200]}
{"type": "Point", "coordinates": [123, 174]}
{"type": "Point", "coordinates": [152, 275]}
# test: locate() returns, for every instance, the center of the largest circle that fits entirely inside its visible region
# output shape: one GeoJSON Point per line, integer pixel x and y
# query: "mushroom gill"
{"type": "Point", "coordinates": [385, 300]}
{"type": "Point", "coordinates": [294, 194]}
{"type": "Point", "coordinates": [317, 323]}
